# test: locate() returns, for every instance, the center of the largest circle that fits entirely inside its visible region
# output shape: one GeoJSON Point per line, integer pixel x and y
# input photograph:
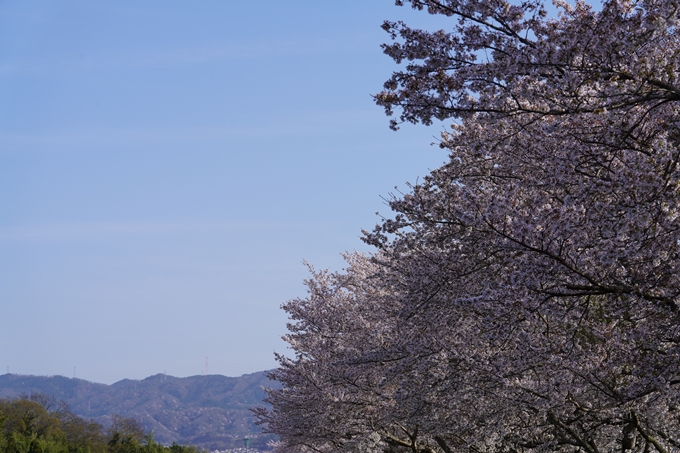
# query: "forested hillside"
{"type": "Point", "coordinates": [210, 412]}
{"type": "Point", "coordinates": [43, 424]}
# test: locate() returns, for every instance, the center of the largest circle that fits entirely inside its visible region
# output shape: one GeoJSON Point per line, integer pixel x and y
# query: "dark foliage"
{"type": "Point", "coordinates": [43, 424]}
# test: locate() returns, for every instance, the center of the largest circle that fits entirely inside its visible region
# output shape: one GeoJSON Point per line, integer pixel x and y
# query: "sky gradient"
{"type": "Point", "coordinates": [166, 166]}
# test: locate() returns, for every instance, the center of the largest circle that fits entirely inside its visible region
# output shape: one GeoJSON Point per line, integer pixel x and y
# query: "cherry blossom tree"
{"type": "Point", "coordinates": [524, 296]}
{"type": "Point", "coordinates": [330, 387]}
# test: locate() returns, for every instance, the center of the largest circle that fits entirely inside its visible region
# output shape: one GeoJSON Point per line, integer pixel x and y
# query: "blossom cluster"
{"type": "Point", "coordinates": [524, 297]}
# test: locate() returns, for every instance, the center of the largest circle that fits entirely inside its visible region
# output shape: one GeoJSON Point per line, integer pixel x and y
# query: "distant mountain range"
{"type": "Point", "coordinates": [210, 412]}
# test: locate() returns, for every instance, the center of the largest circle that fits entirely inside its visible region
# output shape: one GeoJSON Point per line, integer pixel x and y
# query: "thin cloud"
{"type": "Point", "coordinates": [312, 124]}
{"type": "Point", "coordinates": [84, 60]}
{"type": "Point", "coordinates": [96, 230]}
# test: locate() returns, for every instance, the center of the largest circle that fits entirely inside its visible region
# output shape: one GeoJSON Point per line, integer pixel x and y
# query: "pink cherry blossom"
{"type": "Point", "coordinates": [524, 296]}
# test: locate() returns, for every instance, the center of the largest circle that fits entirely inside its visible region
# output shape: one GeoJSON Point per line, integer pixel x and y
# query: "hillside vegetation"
{"type": "Point", "coordinates": [210, 412]}
{"type": "Point", "coordinates": [43, 424]}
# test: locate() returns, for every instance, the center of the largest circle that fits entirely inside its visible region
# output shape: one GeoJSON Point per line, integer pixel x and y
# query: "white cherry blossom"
{"type": "Point", "coordinates": [524, 296]}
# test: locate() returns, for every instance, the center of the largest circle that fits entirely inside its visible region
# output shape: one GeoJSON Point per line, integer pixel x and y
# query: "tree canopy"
{"type": "Point", "coordinates": [43, 424]}
{"type": "Point", "coordinates": [524, 296]}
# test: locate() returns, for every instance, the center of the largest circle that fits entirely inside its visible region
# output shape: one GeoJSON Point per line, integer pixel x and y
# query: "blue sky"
{"type": "Point", "coordinates": [166, 166]}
